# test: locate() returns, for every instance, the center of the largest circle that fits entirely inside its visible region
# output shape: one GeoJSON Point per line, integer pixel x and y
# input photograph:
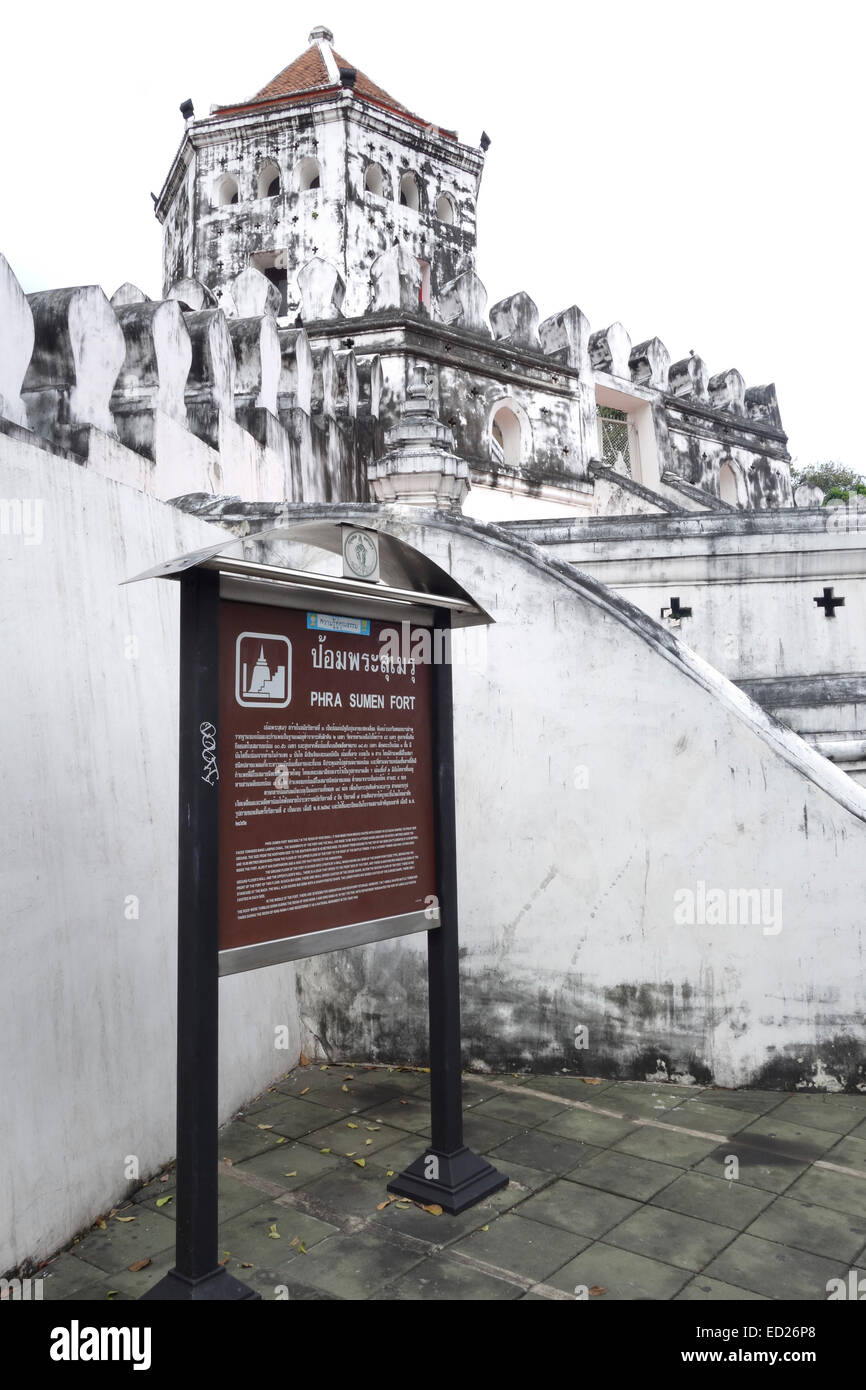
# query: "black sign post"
{"type": "Point", "coordinates": [447, 1172]}
{"type": "Point", "coordinates": [197, 1274]}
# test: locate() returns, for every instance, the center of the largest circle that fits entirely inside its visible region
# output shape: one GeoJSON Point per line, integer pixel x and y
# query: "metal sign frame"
{"type": "Point", "coordinates": [447, 1172]}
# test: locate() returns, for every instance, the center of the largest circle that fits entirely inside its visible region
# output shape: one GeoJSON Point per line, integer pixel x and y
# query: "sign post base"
{"type": "Point", "coordinates": [463, 1179]}
{"type": "Point", "coordinates": [216, 1287]}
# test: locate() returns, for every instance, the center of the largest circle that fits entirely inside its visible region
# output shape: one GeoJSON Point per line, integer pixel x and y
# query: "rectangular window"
{"type": "Point", "coordinates": [614, 439]}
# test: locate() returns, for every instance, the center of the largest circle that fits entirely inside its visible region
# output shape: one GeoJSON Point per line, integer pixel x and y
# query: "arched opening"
{"type": "Point", "coordinates": [374, 180]}
{"type": "Point", "coordinates": [226, 191]}
{"type": "Point", "coordinates": [269, 180]}
{"type": "Point", "coordinates": [308, 175]}
{"type": "Point", "coordinates": [505, 438]}
{"type": "Point", "coordinates": [410, 194]}
{"type": "Point", "coordinates": [445, 209]}
{"type": "Point", "coordinates": [728, 485]}
{"type": "Point", "coordinates": [424, 287]}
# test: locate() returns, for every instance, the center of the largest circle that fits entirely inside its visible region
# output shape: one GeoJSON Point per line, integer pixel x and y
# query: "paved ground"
{"type": "Point", "coordinates": [618, 1189]}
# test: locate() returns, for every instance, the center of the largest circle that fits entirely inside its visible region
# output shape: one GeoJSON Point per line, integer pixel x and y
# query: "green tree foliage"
{"type": "Point", "coordinates": [827, 475]}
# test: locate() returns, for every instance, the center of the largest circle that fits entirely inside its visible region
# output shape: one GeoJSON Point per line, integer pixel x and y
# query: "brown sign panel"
{"type": "Point", "coordinates": [326, 779]}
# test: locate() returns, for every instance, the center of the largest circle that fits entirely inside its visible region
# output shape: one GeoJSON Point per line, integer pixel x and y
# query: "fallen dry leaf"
{"type": "Point", "coordinates": [164, 1177]}
{"type": "Point", "coordinates": [368, 1141]}
{"type": "Point", "coordinates": [126, 1218]}
{"type": "Point", "coordinates": [404, 1204]}
{"type": "Point", "coordinates": [324, 1151]}
{"type": "Point", "coordinates": [227, 1162]}
{"type": "Point", "coordinates": [596, 1290]}
{"type": "Point", "coordinates": [305, 1090]}
{"type": "Point", "coordinates": [293, 1241]}
{"type": "Point", "coordinates": [350, 1125]}
{"type": "Point", "coordinates": [265, 1126]}
{"type": "Point", "coordinates": [161, 1201]}
{"type": "Point", "coordinates": [304, 1060]}
{"type": "Point", "coordinates": [434, 1208]}
{"type": "Point", "coordinates": [302, 1249]}
{"type": "Point", "coordinates": [293, 1174]}
{"type": "Point", "coordinates": [112, 1293]}
{"type": "Point", "coordinates": [344, 1087]}
{"type": "Point", "coordinates": [485, 1228]}
{"type": "Point", "coordinates": [352, 1154]}
{"type": "Point", "coordinates": [386, 1203]}
{"type": "Point", "coordinates": [282, 1139]}
{"type": "Point", "coordinates": [246, 1265]}
{"type": "Point", "coordinates": [592, 1080]}
{"type": "Point", "coordinates": [273, 1233]}
{"type": "Point", "coordinates": [390, 1173]}
{"type": "Point", "coordinates": [361, 1162]}
{"type": "Point", "coordinates": [137, 1265]}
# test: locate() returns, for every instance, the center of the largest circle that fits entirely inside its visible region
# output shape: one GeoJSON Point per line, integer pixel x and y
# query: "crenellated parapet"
{"type": "Point", "coordinates": [177, 396]}
{"type": "Point", "coordinates": [188, 393]}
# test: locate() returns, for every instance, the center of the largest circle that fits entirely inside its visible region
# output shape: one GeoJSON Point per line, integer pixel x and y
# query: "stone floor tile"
{"type": "Point", "coordinates": [346, 1142]}
{"type": "Point", "coordinates": [665, 1146]}
{"type": "Point", "coordinates": [247, 1236]}
{"type": "Point", "coordinates": [239, 1140]}
{"type": "Point", "coordinates": [545, 1151]}
{"type": "Point", "coordinates": [635, 1098]}
{"type": "Point", "coordinates": [704, 1290]}
{"type": "Point", "coordinates": [523, 1246]}
{"type": "Point", "coordinates": [703, 1115]}
{"type": "Point", "coordinates": [776, 1271]}
{"type": "Point", "coordinates": [527, 1111]}
{"type": "Point", "coordinates": [355, 1266]}
{"type": "Point", "coordinates": [446, 1279]}
{"type": "Point", "coordinates": [68, 1276]}
{"type": "Point", "coordinates": [849, 1153]}
{"type": "Point", "coordinates": [402, 1112]}
{"type": "Point", "coordinates": [586, 1127]}
{"type": "Point", "coordinates": [622, 1274]}
{"type": "Point", "coordinates": [625, 1175]}
{"type": "Point", "coordinates": [806, 1227]}
{"type": "Point", "coordinates": [757, 1168]}
{"type": "Point", "coordinates": [669, 1236]}
{"type": "Point", "coordinates": [797, 1141]}
{"type": "Point", "coordinates": [839, 1113]}
{"type": "Point", "coordinates": [714, 1199]}
{"type": "Point", "coordinates": [293, 1118]}
{"type": "Point", "coordinates": [288, 1166]}
{"type": "Point", "coordinates": [121, 1244]}
{"type": "Point", "coordinates": [837, 1191]}
{"type": "Point", "coordinates": [587, 1211]}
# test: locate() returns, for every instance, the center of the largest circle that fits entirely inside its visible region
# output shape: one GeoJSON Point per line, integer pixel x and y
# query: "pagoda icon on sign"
{"type": "Point", "coordinates": [263, 684]}
{"type": "Point", "coordinates": [263, 670]}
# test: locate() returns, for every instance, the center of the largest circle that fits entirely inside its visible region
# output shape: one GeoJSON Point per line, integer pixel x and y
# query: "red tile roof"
{"type": "Point", "coordinates": [307, 78]}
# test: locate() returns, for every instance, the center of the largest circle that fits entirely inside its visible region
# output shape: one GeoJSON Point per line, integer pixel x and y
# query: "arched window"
{"type": "Point", "coordinates": [226, 191]}
{"type": "Point", "coordinates": [445, 209]}
{"type": "Point", "coordinates": [410, 195]}
{"type": "Point", "coordinates": [505, 445]}
{"type": "Point", "coordinates": [308, 175]}
{"type": "Point", "coordinates": [374, 180]}
{"type": "Point", "coordinates": [728, 485]}
{"type": "Point", "coordinates": [269, 180]}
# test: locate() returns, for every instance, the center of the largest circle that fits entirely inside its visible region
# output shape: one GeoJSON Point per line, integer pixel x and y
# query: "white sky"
{"type": "Point", "coordinates": [694, 170]}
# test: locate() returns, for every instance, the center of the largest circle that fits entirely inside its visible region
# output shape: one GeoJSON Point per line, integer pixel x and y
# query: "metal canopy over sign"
{"type": "Point", "coordinates": [316, 812]}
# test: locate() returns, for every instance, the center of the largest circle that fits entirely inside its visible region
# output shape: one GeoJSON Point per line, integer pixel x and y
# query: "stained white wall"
{"type": "Point", "coordinates": [601, 769]}
{"type": "Point", "coordinates": [87, 996]}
